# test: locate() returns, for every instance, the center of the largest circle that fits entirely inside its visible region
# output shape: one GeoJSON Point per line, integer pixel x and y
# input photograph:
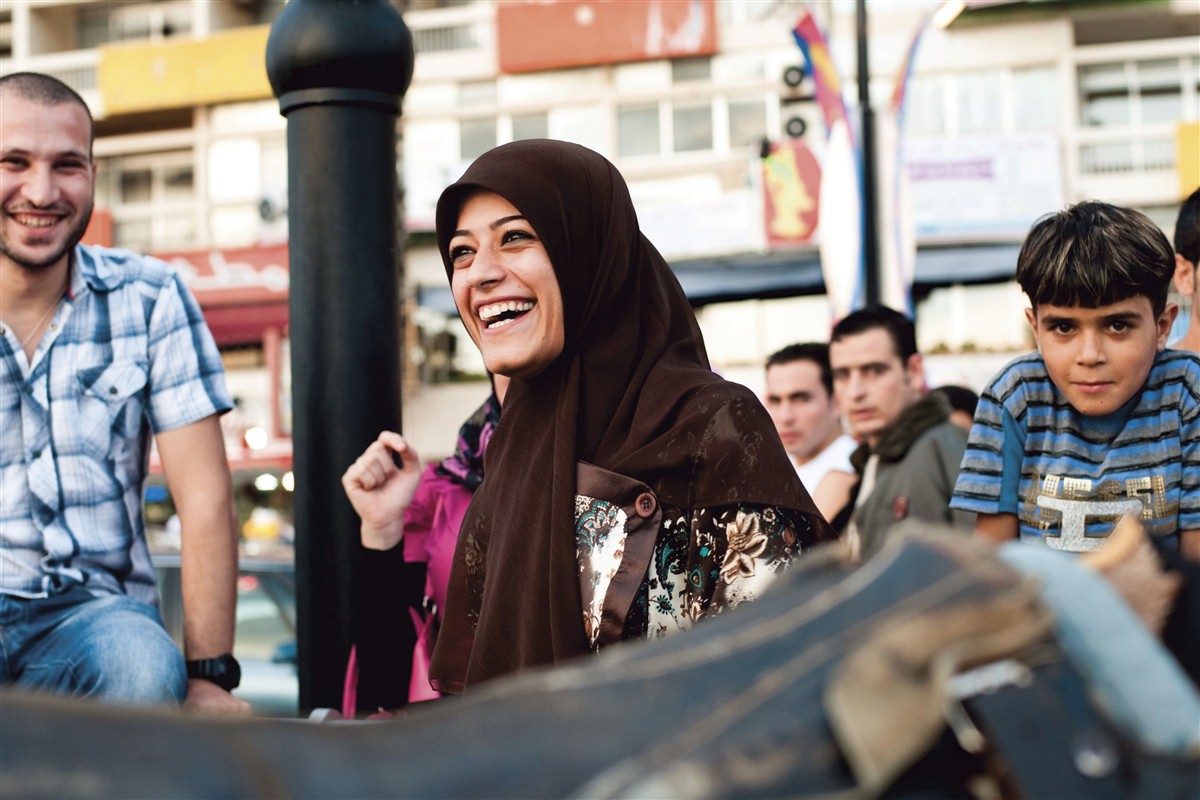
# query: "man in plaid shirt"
{"type": "Point", "coordinates": [99, 350]}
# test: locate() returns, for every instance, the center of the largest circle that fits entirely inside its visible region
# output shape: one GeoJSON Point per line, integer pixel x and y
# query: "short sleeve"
{"type": "Point", "coordinates": [187, 378]}
{"type": "Point", "coordinates": [989, 479]}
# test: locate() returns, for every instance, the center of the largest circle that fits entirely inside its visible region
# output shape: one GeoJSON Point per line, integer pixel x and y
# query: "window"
{"type": "Point", "coordinates": [1161, 91]}
{"type": "Point", "coordinates": [638, 130]}
{"type": "Point", "coordinates": [103, 23]}
{"type": "Point", "coordinates": [1137, 93]}
{"type": "Point", "coordinates": [476, 137]}
{"type": "Point", "coordinates": [5, 33]}
{"type": "Point", "coordinates": [1035, 98]}
{"type": "Point", "coordinates": [530, 126]}
{"type": "Point", "coordinates": [1105, 94]}
{"type": "Point", "coordinates": [1132, 108]}
{"type": "Point", "coordinates": [980, 102]}
{"type": "Point", "coordinates": [688, 70]}
{"type": "Point", "coordinates": [477, 93]}
{"type": "Point", "coordinates": [152, 198]}
{"type": "Point", "coordinates": [925, 105]}
{"type": "Point", "coordinates": [693, 128]}
{"type": "Point", "coordinates": [747, 123]}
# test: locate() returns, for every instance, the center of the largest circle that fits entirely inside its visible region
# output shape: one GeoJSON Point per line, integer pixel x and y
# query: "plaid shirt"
{"type": "Point", "coordinates": [127, 353]}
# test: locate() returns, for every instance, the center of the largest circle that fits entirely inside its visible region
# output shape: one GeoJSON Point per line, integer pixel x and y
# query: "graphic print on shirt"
{"type": "Point", "coordinates": [1069, 504]}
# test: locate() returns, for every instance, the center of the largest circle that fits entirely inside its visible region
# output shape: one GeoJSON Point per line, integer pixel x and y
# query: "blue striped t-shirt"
{"type": "Point", "coordinates": [1069, 477]}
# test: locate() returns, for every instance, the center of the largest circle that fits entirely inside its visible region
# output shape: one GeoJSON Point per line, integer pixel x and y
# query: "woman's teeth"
{"type": "Point", "coordinates": [497, 315]}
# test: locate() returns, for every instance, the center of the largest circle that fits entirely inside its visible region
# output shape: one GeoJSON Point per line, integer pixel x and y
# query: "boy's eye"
{"type": "Point", "coordinates": [1119, 326]}
{"type": "Point", "coordinates": [1061, 327]}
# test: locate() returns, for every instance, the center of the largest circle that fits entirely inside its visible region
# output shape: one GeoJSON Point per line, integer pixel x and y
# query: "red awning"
{"type": "Point", "coordinates": [242, 291]}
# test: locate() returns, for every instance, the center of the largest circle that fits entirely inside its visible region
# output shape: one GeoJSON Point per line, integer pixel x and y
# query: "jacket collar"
{"type": "Point", "coordinates": [931, 410]}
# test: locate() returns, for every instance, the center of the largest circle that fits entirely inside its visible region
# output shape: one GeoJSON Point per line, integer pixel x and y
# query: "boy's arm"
{"type": "Point", "coordinates": [999, 527]}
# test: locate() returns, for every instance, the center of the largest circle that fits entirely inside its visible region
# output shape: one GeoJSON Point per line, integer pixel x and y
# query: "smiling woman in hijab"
{"type": "Point", "coordinates": [630, 490]}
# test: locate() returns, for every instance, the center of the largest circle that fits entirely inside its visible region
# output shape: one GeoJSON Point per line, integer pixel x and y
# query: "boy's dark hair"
{"type": "Point", "coordinates": [899, 327]}
{"type": "Point", "coordinates": [48, 91]}
{"type": "Point", "coordinates": [1187, 229]}
{"type": "Point", "coordinates": [816, 352]}
{"type": "Point", "coordinates": [1095, 254]}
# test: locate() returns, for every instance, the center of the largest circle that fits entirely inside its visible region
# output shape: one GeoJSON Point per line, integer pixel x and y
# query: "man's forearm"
{"type": "Point", "coordinates": [209, 579]}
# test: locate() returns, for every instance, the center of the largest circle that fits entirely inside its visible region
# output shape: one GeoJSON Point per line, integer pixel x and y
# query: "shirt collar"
{"type": "Point", "coordinates": [93, 268]}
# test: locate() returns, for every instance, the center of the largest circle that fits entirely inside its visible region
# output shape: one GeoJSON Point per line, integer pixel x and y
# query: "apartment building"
{"type": "Point", "coordinates": [1012, 110]}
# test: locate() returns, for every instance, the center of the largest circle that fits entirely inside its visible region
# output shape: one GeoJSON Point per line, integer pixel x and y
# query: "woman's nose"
{"type": "Point", "coordinates": [485, 268]}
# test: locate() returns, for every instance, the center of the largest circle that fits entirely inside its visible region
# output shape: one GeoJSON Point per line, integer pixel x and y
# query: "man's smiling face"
{"type": "Point", "coordinates": [47, 180]}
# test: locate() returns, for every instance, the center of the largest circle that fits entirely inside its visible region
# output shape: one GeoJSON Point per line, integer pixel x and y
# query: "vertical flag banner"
{"type": "Point", "coordinates": [840, 198]}
{"type": "Point", "coordinates": [898, 236]}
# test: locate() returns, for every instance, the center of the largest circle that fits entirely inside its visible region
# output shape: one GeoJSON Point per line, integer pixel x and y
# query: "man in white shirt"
{"type": "Point", "coordinates": [801, 403]}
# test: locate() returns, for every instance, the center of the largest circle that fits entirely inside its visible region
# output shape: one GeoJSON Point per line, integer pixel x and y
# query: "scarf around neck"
{"type": "Point", "coordinates": [631, 392]}
{"type": "Point", "coordinates": [465, 466]}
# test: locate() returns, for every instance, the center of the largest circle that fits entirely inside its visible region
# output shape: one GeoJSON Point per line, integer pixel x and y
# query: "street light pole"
{"type": "Point", "coordinates": [340, 69]}
{"type": "Point", "coordinates": [870, 228]}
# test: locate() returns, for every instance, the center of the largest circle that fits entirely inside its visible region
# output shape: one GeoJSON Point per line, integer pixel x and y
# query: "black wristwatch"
{"type": "Point", "coordinates": [224, 671]}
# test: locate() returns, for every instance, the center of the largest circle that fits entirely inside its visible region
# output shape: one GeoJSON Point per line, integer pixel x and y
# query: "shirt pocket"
{"type": "Point", "coordinates": [111, 403]}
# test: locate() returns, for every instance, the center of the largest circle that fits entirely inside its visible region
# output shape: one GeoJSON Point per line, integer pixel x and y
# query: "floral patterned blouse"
{"type": "Point", "coordinates": [650, 570]}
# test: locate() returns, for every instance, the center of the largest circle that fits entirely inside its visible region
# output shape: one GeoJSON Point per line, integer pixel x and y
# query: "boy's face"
{"type": "Point", "coordinates": [1100, 357]}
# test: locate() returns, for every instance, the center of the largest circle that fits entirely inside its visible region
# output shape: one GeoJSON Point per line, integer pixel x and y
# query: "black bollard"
{"type": "Point", "coordinates": [340, 69]}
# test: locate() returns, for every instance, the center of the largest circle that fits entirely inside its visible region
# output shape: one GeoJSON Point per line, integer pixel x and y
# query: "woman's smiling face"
{"type": "Point", "coordinates": [505, 287]}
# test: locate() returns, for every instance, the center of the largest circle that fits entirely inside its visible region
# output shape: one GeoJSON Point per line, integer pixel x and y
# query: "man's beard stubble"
{"type": "Point", "coordinates": [73, 238]}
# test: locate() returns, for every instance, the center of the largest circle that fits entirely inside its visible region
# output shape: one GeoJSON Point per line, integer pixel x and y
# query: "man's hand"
{"type": "Point", "coordinates": [208, 698]}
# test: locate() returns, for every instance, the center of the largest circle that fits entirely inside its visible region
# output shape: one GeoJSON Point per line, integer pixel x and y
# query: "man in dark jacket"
{"type": "Point", "coordinates": [910, 452]}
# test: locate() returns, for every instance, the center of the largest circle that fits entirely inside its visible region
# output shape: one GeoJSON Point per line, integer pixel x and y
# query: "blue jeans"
{"type": "Point", "coordinates": [108, 647]}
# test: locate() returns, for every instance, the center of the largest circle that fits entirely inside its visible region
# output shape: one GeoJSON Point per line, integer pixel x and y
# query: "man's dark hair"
{"type": "Point", "coordinates": [1187, 229]}
{"type": "Point", "coordinates": [816, 352]}
{"type": "Point", "coordinates": [47, 91]}
{"type": "Point", "coordinates": [961, 398]}
{"type": "Point", "coordinates": [1095, 254]}
{"type": "Point", "coordinates": [899, 327]}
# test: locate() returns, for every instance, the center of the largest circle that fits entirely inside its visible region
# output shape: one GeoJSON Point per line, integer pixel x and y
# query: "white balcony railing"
{"type": "Point", "coordinates": [75, 68]}
{"type": "Point", "coordinates": [1125, 150]}
{"type": "Point", "coordinates": [443, 30]}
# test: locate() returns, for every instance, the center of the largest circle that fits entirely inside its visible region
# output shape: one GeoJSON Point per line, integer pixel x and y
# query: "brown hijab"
{"type": "Point", "coordinates": [632, 392]}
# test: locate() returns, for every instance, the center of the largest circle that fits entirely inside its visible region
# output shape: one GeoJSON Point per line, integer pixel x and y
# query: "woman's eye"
{"type": "Point", "coordinates": [516, 235]}
{"type": "Point", "coordinates": [458, 253]}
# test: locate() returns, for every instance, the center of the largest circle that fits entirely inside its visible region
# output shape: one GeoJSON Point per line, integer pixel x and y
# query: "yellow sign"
{"type": "Point", "coordinates": [1187, 161]}
{"type": "Point", "coordinates": [226, 67]}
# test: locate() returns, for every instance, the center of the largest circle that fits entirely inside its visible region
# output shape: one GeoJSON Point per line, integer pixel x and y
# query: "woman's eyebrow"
{"type": "Point", "coordinates": [492, 225]}
{"type": "Point", "coordinates": [506, 220]}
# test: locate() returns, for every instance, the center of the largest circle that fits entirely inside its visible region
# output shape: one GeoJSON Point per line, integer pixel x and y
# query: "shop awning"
{"type": "Point", "coordinates": [784, 273]}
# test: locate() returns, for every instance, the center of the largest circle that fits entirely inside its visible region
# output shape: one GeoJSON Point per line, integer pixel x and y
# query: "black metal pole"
{"type": "Point", "coordinates": [870, 236]}
{"type": "Point", "coordinates": [340, 69]}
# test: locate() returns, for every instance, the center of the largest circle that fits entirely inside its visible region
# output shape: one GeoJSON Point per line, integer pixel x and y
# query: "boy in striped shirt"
{"type": "Point", "coordinates": [1103, 420]}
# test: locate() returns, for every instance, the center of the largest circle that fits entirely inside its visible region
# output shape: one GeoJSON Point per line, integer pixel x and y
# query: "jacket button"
{"type": "Point", "coordinates": [644, 505]}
